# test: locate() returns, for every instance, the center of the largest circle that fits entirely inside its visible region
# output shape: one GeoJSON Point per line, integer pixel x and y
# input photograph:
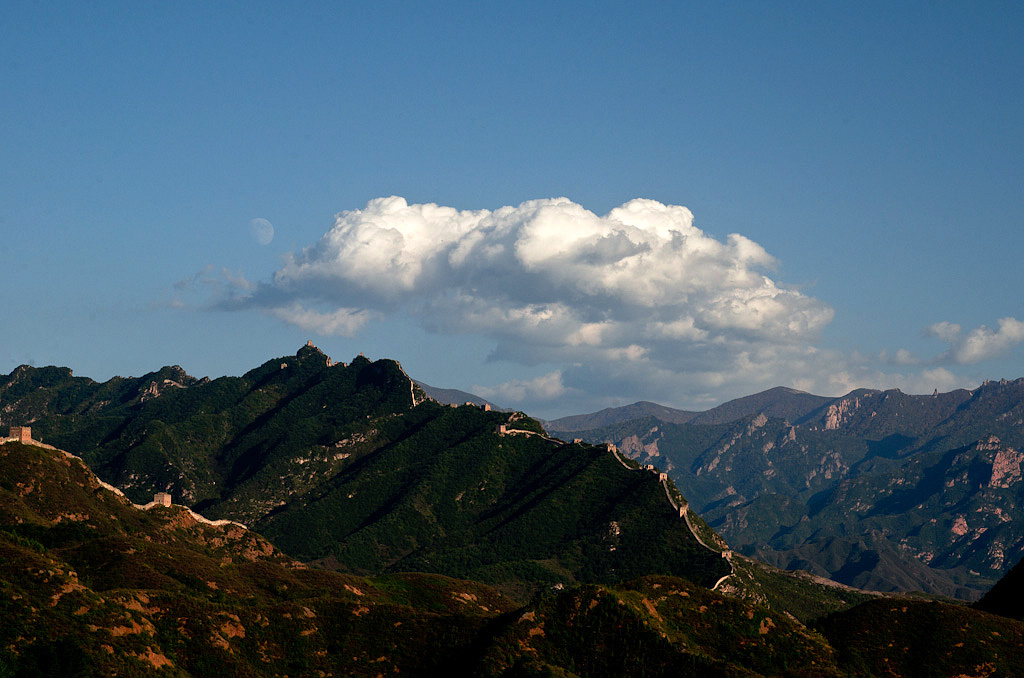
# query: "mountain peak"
{"type": "Point", "coordinates": [309, 351]}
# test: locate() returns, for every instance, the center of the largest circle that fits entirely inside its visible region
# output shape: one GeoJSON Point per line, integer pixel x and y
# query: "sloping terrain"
{"type": "Point", "coordinates": [888, 637]}
{"type": "Point", "coordinates": [497, 508]}
{"type": "Point", "coordinates": [1006, 598]}
{"type": "Point", "coordinates": [352, 467]}
{"type": "Point", "coordinates": [875, 489]}
{"type": "Point", "coordinates": [91, 585]}
{"type": "Point", "coordinates": [452, 396]}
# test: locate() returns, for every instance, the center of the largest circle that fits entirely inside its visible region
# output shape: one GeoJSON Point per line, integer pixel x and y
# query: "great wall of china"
{"type": "Point", "coordinates": [23, 435]}
{"type": "Point", "coordinates": [683, 510]}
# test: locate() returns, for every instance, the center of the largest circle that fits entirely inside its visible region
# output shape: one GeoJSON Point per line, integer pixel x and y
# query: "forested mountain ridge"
{"type": "Point", "coordinates": [352, 467]}
{"type": "Point", "coordinates": [93, 586]}
{"type": "Point", "coordinates": [876, 489]}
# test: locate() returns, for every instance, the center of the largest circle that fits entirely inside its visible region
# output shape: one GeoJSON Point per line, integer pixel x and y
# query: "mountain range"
{"type": "Point", "coordinates": [427, 539]}
{"type": "Point", "coordinates": [778, 403]}
{"type": "Point", "coordinates": [93, 585]}
{"type": "Point", "coordinates": [352, 467]}
{"type": "Point", "coordinates": [875, 489]}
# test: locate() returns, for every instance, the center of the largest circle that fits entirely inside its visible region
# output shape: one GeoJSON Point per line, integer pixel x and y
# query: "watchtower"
{"type": "Point", "coordinates": [23, 434]}
{"type": "Point", "coordinates": [162, 498]}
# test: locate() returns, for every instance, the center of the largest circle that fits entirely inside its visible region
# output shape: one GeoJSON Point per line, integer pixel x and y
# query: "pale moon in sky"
{"type": "Point", "coordinates": [262, 231]}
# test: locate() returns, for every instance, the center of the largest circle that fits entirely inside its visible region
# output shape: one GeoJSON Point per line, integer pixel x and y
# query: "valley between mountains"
{"type": "Point", "coordinates": [364, 528]}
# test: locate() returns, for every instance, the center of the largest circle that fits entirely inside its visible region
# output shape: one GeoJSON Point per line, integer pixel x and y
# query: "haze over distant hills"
{"type": "Point", "coordinates": [453, 396]}
{"type": "Point", "coordinates": [614, 415]}
{"type": "Point", "coordinates": [777, 402]}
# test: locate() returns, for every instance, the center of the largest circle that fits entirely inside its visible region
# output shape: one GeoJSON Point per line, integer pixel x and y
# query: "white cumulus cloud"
{"type": "Point", "coordinates": [981, 343]}
{"type": "Point", "coordinates": [552, 271]}
{"type": "Point", "coordinates": [343, 322]}
{"type": "Point", "coordinates": [544, 388]}
{"type": "Point", "coordinates": [946, 331]}
{"type": "Point", "coordinates": [636, 304]}
{"type": "Point", "coordinates": [637, 300]}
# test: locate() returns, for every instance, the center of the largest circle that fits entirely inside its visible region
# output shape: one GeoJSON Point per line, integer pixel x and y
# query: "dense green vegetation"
{"type": "Point", "coordinates": [655, 626]}
{"type": "Point", "coordinates": [924, 639]}
{"type": "Point", "coordinates": [352, 468]}
{"type": "Point", "coordinates": [442, 546]}
{"type": "Point", "coordinates": [93, 586]}
{"type": "Point", "coordinates": [494, 509]}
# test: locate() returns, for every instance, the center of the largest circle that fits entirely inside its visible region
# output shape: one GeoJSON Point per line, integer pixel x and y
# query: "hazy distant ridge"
{"type": "Point", "coordinates": [614, 415]}
{"type": "Point", "coordinates": [779, 402]}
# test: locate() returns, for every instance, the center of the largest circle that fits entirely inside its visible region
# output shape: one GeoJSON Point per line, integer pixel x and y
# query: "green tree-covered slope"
{"type": "Point", "coordinates": [93, 586]}
{"type": "Point", "coordinates": [352, 467]}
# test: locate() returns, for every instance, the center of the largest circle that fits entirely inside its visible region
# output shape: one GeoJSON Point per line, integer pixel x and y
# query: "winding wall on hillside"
{"type": "Point", "coordinates": [683, 511]}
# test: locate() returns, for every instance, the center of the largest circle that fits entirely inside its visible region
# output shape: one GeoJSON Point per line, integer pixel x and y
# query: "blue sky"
{"type": "Point", "coordinates": [868, 155]}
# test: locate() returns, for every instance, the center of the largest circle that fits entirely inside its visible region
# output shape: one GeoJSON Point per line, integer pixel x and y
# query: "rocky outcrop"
{"type": "Point", "coordinates": [839, 412]}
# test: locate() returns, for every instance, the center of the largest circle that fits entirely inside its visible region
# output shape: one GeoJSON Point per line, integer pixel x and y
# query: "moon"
{"type": "Point", "coordinates": [262, 230]}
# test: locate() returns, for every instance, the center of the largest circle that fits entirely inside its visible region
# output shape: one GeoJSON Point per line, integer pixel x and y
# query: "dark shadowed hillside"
{"type": "Point", "coordinates": [1006, 598]}
{"type": "Point", "coordinates": [353, 467]}
{"type": "Point", "coordinates": [91, 585]}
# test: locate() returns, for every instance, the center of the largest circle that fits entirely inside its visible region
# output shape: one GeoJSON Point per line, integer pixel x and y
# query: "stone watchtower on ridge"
{"type": "Point", "coordinates": [23, 434]}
